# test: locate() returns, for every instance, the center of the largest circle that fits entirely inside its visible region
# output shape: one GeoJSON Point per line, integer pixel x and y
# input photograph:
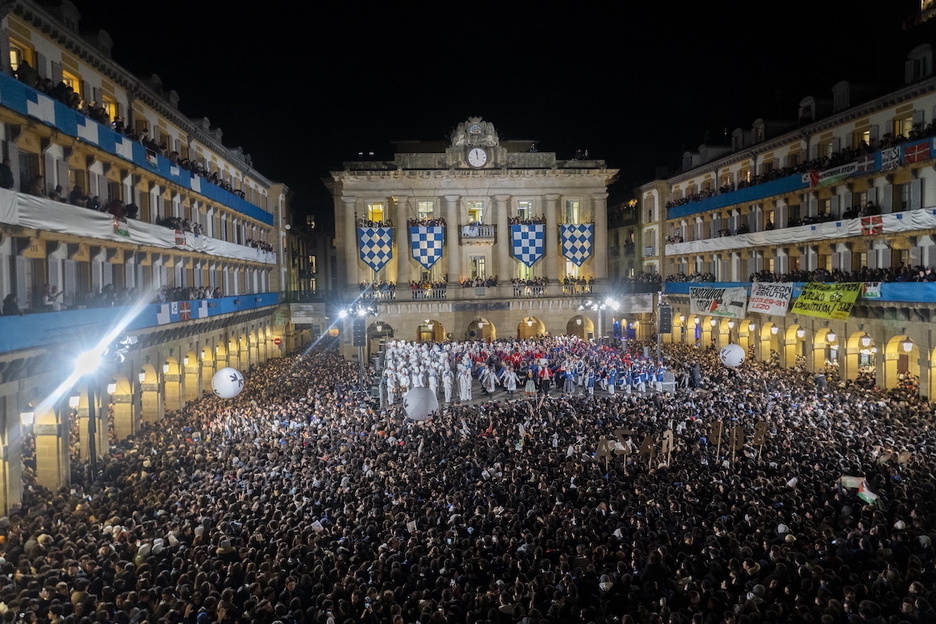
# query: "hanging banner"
{"type": "Point", "coordinates": [872, 225]}
{"type": "Point", "coordinates": [528, 242]}
{"type": "Point", "coordinates": [576, 241]}
{"type": "Point", "coordinates": [376, 246]}
{"type": "Point", "coordinates": [827, 301]}
{"type": "Point", "coordinates": [426, 243]}
{"type": "Point", "coordinates": [770, 298]}
{"type": "Point", "coordinates": [871, 290]}
{"type": "Point", "coordinates": [717, 301]}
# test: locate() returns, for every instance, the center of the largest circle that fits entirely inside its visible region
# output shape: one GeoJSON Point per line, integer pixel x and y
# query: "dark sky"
{"type": "Point", "coordinates": [635, 83]}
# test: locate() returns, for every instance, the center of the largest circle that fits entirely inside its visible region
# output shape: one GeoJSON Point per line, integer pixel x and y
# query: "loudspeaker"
{"type": "Point", "coordinates": [358, 339]}
{"type": "Point", "coordinates": [666, 320]}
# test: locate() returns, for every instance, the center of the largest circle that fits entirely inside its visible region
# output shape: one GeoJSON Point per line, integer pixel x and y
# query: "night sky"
{"type": "Point", "coordinates": [636, 84]}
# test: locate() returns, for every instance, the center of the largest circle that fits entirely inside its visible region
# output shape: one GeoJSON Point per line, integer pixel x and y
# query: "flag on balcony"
{"type": "Point", "coordinates": [576, 241]}
{"type": "Point", "coordinates": [426, 243]}
{"type": "Point", "coordinates": [916, 152]}
{"type": "Point", "coordinates": [529, 242]}
{"type": "Point", "coordinates": [121, 228]}
{"type": "Point", "coordinates": [866, 163]}
{"type": "Point", "coordinates": [375, 245]}
{"type": "Point", "coordinates": [151, 158]}
{"type": "Point", "coordinates": [872, 225]}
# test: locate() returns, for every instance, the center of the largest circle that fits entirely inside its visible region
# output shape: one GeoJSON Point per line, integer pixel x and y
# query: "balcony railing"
{"type": "Point", "coordinates": [910, 292]}
{"type": "Point", "coordinates": [53, 328]}
{"type": "Point", "coordinates": [477, 233]}
{"type": "Point", "coordinates": [52, 216]}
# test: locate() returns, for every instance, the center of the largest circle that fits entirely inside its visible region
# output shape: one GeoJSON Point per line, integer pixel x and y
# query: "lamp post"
{"type": "Point", "coordinates": [86, 366]}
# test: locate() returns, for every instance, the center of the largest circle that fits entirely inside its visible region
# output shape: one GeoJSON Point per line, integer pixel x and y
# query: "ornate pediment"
{"type": "Point", "coordinates": [475, 132]}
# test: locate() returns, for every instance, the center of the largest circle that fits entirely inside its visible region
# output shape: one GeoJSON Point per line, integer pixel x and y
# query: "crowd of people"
{"type": "Point", "coordinates": [478, 282]}
{"type": "Point", "coordinates": [426, 222]}
{"type": "Point", "coordinates": [844, 156]}
{"type": "Point", "coordinates": [900, 273]}
{"type": "Point", "coordinates": [301, 501]}
{"type": "Point", "coordinates": [186, 293]}
{"type": "Point", "coordinates": [66, 94]}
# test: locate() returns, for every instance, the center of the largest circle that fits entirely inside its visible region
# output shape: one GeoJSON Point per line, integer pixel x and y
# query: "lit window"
{"type": "Point", "coordinates": [572, 207]}
{"type": "Point", "coordinates": [475, 211]}
{"type": "Point", "coordinates": [903, 126]}
{"type": "Point", "coordinates": [425, 209]}
{"type": "Point", "coordinates": [525, 209]}
{"type": "Point", "coordinates": [20, 53]}
{"type": "Point", "coordinates": [375, 211]}
{"type": "Point", "coordinates": [72, 81]}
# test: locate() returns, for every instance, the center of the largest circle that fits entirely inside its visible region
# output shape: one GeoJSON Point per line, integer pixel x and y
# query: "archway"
{"type": "Point", "coordinates": [530, 327]}
{"type": "Point", "coordinates": [481, 329]}
{"type": "Point", "coordinates": [207, 366]}
{"type": "Point", "coordinates": [795, 347]}
{"type": "Point", "coordinates": [151, 399]}
{"type": "Point", "coordinates": [430, 330]}
{"type": "Point", "coordinates": [190, 373]}
{"type": "Point", "coordinates": [581, 326]}
{"type": "Point", "coordinates": [860, 356]}
{"type": "Point", "coordinates": [825, 350]}
{"type": "Point", "coordinates": [125, 411]}
{"type": "Point", "coordinates": [770, 343]}
{"type": "Point", "coordinates": [747, 337]}
{"type": "Point", "coordinates": [901, 363]}
{"type": "Point", "coordinates": [172, 383]}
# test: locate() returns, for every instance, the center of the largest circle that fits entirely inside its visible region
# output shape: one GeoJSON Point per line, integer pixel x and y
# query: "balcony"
{"type": "Point", "coordinates": [47, 329]}
{"type": "Point", "coordinates": [477, 234]}
{"type": "Point", "coordinates": [891, 292]}
{"type": "Point", "coordinates": [29, 102]}
{"type": "Point", "coordinates": [47, 215]}
{"type": "Point", "coordinates": [909, 221]}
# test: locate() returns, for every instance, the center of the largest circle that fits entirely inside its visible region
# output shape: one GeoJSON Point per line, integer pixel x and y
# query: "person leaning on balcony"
{"type": "Point", "coordinates": [27, 74]}
{"type": "Point", "coordinates": [37, 186]}
{"type": "Point", "coordinates": [6, 174]}
{"type": "Point", "coordinates": [11, 306]}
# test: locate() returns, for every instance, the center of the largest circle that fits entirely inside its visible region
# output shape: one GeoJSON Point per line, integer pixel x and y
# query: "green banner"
{"type": "Point", "coordinates": [827, 301]}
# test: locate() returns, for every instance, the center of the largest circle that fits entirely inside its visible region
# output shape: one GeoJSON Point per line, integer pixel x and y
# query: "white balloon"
{"type": "Point", "coordinates": [731, 356]}
{"type": "Point", "coordinates": [227, 383]}
{"type": "Point", "coordinates": [419, 403]}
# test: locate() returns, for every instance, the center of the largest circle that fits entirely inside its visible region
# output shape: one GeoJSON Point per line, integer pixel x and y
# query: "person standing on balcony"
{"type": "Point", "coordinates": [6, 174]}
{"type": "Point", "coordinates": [11, 306]}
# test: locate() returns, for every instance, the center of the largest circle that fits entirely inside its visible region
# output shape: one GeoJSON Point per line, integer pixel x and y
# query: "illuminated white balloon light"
{"type": "Point", "coordinates": [420, 403]}
{"type": "Point", "coordinates": [731, 356]}
{"type": "Point", "coordinates": [227, 383]}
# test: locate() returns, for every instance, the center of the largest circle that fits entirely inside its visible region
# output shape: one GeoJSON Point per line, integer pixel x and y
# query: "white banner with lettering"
{"type": "Point", "coordinates": [717, 301]}
{"type": "Point", "coordinates": [770, 298]}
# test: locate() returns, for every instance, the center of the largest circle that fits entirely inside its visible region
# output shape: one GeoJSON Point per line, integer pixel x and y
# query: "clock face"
{"type": "Point", "coordinates": [477, 157]}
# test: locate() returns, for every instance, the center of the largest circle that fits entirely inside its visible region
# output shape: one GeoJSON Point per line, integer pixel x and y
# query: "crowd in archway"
{"type": "Point", "coordinates": [302, 501]}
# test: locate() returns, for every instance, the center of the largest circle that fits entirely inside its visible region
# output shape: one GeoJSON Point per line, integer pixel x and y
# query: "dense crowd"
{"type": "Point", "coordinates": [302, 501]}
{"type": "Point", "coordinates": [901, 273]}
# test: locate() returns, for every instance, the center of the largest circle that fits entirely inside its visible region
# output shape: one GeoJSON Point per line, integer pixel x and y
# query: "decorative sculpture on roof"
{"type": "Point", "coordinates": [475, 132]}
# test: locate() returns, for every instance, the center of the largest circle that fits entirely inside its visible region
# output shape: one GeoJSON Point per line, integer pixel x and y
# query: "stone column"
{"type": "Point", "coordinates": [842, 258]}
{"type": "Point", "coordinates": [505, 264]}
{"type": "Point", "coordinates": [554, 261]}
{"type": "Point", "coordinates": [399, 266]}
{"type": "Point", "coordinates": [452, 248]}
{"type": "Point", "coordinates": [84, 422]}
{"type": "Point", "coordinates": [600, 203]}
{"type": "Point", "coordinates": [347, 226]}
{"type": "Point", "coordinates": [52, 462]}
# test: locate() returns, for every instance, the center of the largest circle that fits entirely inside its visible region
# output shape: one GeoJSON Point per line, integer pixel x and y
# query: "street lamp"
{"type": "Point", "coordinates": [800, 333]}
{"type": "Point", "coordinates": [907, 345]}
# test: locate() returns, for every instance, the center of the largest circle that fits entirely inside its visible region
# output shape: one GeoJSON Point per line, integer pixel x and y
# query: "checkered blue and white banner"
{"type": "Point", "coordinates": [426, 243]}
{"type": "Point", "coordinates": [576, 241]}
{"type": "Point", "coordinates": [376, 246]}
{"type": "Point", "coordinates": [529, 242]}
